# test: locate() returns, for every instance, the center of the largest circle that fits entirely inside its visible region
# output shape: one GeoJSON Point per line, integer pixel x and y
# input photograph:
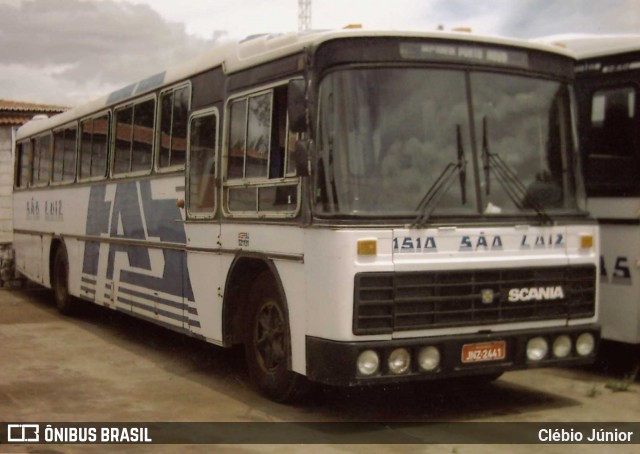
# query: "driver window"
{"type": "Point", "coordinates": [202, 164]}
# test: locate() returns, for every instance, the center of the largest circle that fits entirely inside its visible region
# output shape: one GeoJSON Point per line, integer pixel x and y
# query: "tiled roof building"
{"type": "Point", "coordinates": [16, 113]}
{"type": "Point", "coordinates": [13, 114]}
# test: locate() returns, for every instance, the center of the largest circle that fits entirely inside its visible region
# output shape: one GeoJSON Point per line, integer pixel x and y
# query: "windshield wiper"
{"type": "Point", "coordinates": [443, 182]}
{"type": "Point", "coordinates": [507, 178]}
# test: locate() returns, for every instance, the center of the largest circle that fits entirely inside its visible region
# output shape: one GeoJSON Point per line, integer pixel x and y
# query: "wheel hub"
{"type": "Point", "coordinates": [270, 337]}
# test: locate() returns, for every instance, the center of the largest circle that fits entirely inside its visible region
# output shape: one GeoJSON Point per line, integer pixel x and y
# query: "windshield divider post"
{"type": "Point", "coordinates": [462, 165]}
{"type": "Point", "coordinates": [472, 134]}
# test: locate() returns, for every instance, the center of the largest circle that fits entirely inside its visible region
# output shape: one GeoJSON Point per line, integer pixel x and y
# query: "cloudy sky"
{"type": "Point", "coordinates": [66, 51]}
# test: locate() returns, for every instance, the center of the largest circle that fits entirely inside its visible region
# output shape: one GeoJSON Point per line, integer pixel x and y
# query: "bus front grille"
{"type": "Point", "coordinates": [401, 301]}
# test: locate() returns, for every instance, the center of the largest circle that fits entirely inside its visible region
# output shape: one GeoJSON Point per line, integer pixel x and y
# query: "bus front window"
{"type": "Point", "coordinates": [388, 136]}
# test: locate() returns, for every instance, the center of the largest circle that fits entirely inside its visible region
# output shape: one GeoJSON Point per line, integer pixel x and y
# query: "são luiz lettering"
{"type": "Point", "coordinates": [596, 435]}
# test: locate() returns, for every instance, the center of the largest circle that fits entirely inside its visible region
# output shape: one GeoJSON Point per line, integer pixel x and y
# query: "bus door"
{"type": "Point", "coordinates": [202, 229]}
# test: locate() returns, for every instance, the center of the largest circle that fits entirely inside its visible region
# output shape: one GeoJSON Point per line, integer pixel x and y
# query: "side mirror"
{"type": "Point", "coordinates": [297, 106]}
{"type": "Point", "coordinates": [302, 158]}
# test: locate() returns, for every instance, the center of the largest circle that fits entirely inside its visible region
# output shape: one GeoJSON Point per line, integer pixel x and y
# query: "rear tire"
{"type": "Point", "coordinates": [268, 344]}
{"type": "Point", "coordinates": [60, 282]}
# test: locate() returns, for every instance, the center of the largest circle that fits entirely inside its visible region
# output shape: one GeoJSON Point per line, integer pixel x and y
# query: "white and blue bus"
{"type": "Point", "coordinates": [607, 84]}
{"type": "Point", "coordinates": [355, 207]}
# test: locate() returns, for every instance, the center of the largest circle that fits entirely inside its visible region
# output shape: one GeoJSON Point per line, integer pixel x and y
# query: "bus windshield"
{"type": "Point", "coordinates": [430, 142]}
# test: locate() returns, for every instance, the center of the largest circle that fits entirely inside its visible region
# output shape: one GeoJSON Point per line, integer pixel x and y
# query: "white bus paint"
{"type": "Point", "coordinates": [234, 247]}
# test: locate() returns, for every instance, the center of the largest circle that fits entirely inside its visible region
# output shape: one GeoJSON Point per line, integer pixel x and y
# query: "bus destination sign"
{"type": "Point", "coordinates": [464, 53]}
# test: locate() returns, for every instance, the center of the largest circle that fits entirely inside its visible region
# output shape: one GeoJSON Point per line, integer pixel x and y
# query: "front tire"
{"type": "Point", "coordinates": [268, 344]}
{"type": "Point", "coordinates": [60, 282]}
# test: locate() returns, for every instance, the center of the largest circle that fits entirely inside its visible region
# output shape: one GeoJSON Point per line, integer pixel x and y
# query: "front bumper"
{"type": "Point", "coordinates": [334, 363]}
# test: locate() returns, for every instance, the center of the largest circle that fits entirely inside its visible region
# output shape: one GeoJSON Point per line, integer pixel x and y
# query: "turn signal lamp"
{"type": "Point", "coordinates": [367, 247]}
{"type": "Point", "coordinates": [586, 241]}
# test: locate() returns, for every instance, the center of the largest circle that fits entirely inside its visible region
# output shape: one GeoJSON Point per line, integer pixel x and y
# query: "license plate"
{"type": "Point", "coordinates": [486, 351]}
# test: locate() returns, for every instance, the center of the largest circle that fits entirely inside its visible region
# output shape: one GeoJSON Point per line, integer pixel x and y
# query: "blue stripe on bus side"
{"type": "Point", "coordinates": [154, 298]}
{"type": "Point", "coordinates": [155, 321]}
{"type": "Point", "coordinates": [190, 310]}
{"type": "Point", "coordinates": [145, 307]}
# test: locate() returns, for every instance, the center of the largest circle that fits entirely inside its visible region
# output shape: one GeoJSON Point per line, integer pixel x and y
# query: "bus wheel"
{"type": "Point", "coordinates": [60, 282]}
{"type": "Point", "coordinates": [267, 344]}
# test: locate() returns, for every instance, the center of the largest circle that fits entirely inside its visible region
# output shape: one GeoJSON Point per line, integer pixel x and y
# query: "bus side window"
{"type": "Point", "coordinates": [99, 153]}
{"type": "Point", "coordinates": [123, 139]}
{"type": "Point", "coordinates": [237, 139]}
{"type": "Point", "coordinates": [202, 164]}
{"type": "Point", "coordinates": [278, 133]}
{"type": "Point", "coordinates": [174, 115]}
{"type": "Point", "coordinates": [134, 137]}
{"type": "Point", "coordinates": [23, 164]}
{"type": "Point", "coordinates": [258, 133]}
{"type": "Point", "coordinates": [41, 160]}
{"type": "Point", "coordinates": [64, 154]}
{"type": "Point", "coordinates": [70, 153]}
{"type": "Point", "coordinates": [94, 133]}
{"type": "Point", "coordinates": [283, 141]}
{"type": "Point", "coordinates": [142, 147]}
{"type": "Point", "coordinates": [260, 152]}
{"type": "Point", "coordinates": [260, 145]}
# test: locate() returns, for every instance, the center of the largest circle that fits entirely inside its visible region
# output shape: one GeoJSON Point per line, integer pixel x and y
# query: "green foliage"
{"type": "Point", "coordinates": [623, 384]}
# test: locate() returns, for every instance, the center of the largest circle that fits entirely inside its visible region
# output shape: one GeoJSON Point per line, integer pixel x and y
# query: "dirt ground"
{"type": "Point", "coordinates": [104, 366]}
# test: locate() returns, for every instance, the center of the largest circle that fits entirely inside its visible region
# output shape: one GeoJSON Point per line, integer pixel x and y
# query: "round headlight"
{"type": "Point", "coordinates": [537, 349]}
{"type": "Point", "coordinates": [429, 358]}
{"type": "Point", "coordinates": [399, 361]}
{"type": "Point", "coordinates": [585, 344]}
{"type": "Point", "coordinates": [368, 362]}
{"type": "Point", "coordinates": [562, 346]}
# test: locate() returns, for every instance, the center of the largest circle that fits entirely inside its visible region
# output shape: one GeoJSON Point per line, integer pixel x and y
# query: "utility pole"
{"type": "Point", "coordinates": [304, 15]}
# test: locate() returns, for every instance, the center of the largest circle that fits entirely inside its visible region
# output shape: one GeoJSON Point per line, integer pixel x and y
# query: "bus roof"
{"type": "Point", "coordinates": [591, 46]}
{"type": "Point", "coordinates": [258, 49]}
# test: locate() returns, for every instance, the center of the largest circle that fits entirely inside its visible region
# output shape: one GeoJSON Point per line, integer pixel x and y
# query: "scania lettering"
{"type": "Point", "coordinates": [541, 293]}
{"type": "Point", "coordinates": [354, 207]}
